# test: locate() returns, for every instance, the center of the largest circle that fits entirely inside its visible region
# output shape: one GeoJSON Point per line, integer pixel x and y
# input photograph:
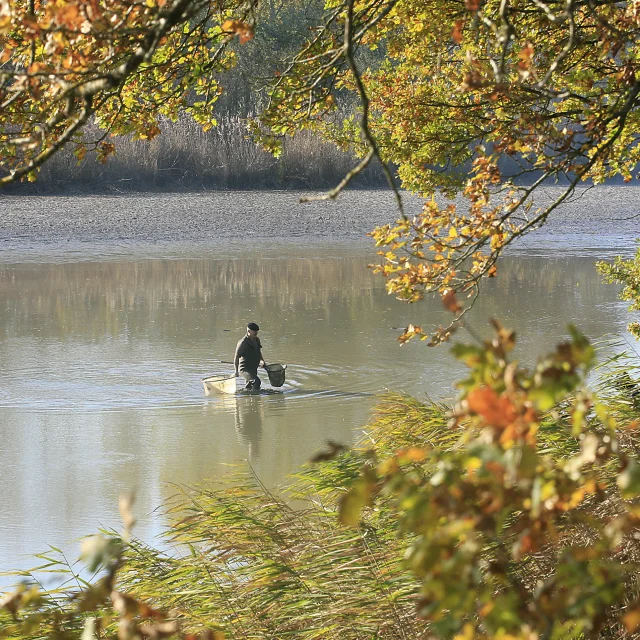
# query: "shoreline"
{"type": "Point", "coordinates": [76, 190]}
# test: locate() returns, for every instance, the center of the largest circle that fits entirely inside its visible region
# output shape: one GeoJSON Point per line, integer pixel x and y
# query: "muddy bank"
{"type": "Point", "coordinates": [604, 217]}
{"type": "Point", "coordinates": [207, 215]}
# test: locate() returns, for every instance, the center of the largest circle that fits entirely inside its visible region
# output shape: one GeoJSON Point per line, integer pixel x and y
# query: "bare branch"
{"type": "Point", "coordinates": [364, 122]}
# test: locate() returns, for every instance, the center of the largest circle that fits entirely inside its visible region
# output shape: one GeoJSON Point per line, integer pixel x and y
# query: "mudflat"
{"type": "Point", "coordinates": [603, 212]}
{"type": "Point", "coordinates": [177, 216]}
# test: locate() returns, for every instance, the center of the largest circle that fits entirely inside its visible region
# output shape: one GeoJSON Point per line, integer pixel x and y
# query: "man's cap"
{"type": "Point", "coordinates": [253, 326]}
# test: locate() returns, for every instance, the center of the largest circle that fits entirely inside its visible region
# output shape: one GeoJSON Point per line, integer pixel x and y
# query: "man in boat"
{"type": "Point", "coordinates": [248, 357]}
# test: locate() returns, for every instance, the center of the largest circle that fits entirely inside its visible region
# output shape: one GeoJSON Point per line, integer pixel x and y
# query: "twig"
{"type": "Point", "coordinates": [364, 123]}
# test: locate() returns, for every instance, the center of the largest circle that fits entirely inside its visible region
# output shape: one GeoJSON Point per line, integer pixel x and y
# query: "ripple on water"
{"type": "Point", "coordinates": [131, 385]}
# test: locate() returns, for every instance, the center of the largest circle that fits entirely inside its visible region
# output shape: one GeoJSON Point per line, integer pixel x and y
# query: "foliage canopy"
{"type": "Point", "coordinates": [551, 85]}
{"type": "Point", "coordinates": [519, 519]}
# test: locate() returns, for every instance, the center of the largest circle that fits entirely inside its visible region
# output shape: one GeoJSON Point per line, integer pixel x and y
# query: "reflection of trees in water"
{"type": "Point", "coordinates": [547, 274]}
{"type": "Point", "coordinates": [563, 289]}
{"type": "Point", "coordinates": [183, 282]}
{"type": "Point", "coordinates": [539, 297]}
{"type": "Point", "coordinates": [99, 298]}
{"type": "Point", "coordinates": [184, 299]}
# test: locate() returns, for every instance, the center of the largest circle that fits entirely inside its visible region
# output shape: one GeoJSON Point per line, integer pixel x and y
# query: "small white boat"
{"type": "Point", "coordinates": [219, 384]}
{"type": "Point", "coordinates": [227, 383]}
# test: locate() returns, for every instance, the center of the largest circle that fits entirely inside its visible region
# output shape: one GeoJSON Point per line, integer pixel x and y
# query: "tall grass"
{"type": "Point", "coordinates": [261, 565]}
{"type": "Point", "coordinates": [257, 567]}
{"type": "Point", "coordinates": [184, 157]}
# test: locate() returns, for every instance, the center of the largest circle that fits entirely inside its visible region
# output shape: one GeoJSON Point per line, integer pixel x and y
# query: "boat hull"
{"type": "Point", "coordinates": [220, 384]}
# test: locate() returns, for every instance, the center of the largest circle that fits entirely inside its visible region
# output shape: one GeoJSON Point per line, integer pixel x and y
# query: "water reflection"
{"type": "Point", "coordinates": [100, 368]}
{"type": "Point", "coordinates": [249, 411]}
{"type": "Point", "coordinates": [249, 417]}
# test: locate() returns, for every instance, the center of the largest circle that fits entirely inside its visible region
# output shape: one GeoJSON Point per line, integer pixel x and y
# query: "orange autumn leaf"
{"type": "Point", "coordinates": [413, 454]}
{"type": "Point", "coordinates": [456, 33]}
{"type": "Point", "coordinates": [450, 302]}
{"type": "Point", "coordinates": [497, 411]}
{"type": "Point", "coordinates": [243, 30]}
{"type": "Point", "coordinates": [68, 15]}
{"type": "Point", "coordinates": [631, 620]}
{"type": "Point", "coordinates": [525, 55]}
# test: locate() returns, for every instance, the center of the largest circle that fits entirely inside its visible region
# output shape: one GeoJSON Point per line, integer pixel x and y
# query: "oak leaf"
{"type": "Point", "coordinates": [497, 411]}
{"type": "Point", "coordinates": [456, 33]}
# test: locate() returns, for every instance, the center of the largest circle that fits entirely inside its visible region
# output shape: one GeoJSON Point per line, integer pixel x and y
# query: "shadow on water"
{"type": "Point", "coordinates": [259, 392]}
{"type": "Point", "coordinates": [249, 419]}
{"type": "Point", "coordinates": [254, 412]}
{"type": "Point", "coordinates": [249, 410]}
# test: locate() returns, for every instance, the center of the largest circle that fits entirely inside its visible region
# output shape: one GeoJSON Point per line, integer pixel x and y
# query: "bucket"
{"type": "Point", "coordinates": [276, 374]}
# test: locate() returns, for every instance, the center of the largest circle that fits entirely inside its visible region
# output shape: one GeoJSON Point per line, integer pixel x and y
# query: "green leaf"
{"type": "Point", "coordinates": [629, 480]}
{"type": "Point", "coordinates": [359, 496]}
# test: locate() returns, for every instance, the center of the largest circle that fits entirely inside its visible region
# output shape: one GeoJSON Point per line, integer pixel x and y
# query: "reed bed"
{"type": "Point", "coordinates": [260, 568]}
{"type": "Point", "coordinates": [184, 157]}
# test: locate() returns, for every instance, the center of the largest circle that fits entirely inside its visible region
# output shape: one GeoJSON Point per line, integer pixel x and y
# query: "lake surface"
{"type": "Point", "coordinates": [107, 329]}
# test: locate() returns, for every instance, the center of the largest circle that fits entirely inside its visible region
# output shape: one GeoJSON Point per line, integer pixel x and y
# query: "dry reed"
{"type": "Point", "coordinates": [184, 157]}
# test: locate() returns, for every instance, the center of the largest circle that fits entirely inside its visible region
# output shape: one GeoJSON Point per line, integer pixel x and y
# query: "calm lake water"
{"type": "Point", "coordinates": [102, 351]}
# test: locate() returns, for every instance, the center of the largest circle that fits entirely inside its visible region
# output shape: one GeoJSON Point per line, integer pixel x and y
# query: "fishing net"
{"type": "Point", "coordinates": [276, 374]}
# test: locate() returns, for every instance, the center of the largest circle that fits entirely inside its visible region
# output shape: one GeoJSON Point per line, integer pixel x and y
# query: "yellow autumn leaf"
{"type": "Point", "coordinates": [5, 24]}
{"type": "Point", "coordinates": [467, 633]}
